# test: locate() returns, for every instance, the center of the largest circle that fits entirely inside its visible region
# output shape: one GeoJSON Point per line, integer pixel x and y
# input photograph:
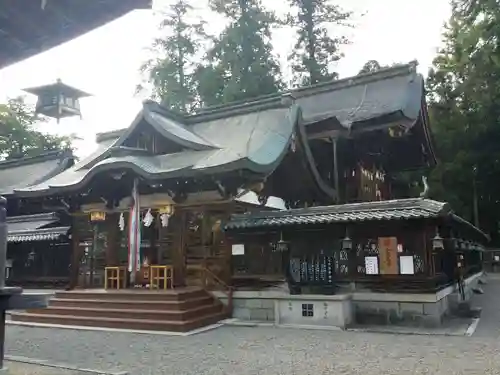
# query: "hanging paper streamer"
{"type": "Point", "coordinates": [148, 219]}
{"type": "Point", "coordinates": [164, 220]}
{"type": "Point", "coordinates": [121, 222]}
{"type": "Point", "coordinates": [134, 237]}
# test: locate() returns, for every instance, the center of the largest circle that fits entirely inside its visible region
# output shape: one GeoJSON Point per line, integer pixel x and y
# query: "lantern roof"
{"type": "Point", "coordinates": [57, 88]}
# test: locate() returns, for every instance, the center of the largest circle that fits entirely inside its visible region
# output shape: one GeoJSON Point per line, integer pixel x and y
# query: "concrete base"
{"type": "Point", "coordinates": [427, 309]}
{"type": "Point", "coordinates": [280, 308]}
{"type": "Point", "coordinates": [342, 310]}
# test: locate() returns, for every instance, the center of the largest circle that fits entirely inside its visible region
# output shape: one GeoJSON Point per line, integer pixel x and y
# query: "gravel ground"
{"type": "Point", "coordinates": [257, 350]}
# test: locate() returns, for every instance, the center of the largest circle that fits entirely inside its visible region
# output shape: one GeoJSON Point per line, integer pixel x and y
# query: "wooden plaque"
{"type": "Point", "coordinates": [388, 252]}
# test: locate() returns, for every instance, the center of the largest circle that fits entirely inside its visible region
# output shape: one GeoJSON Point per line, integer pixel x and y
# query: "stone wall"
{"type": "Point", "coordinates": [413, 309]}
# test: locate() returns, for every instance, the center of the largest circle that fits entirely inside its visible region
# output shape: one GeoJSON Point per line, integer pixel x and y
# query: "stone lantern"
{"type": "Point", "coordinates": [58, 100]}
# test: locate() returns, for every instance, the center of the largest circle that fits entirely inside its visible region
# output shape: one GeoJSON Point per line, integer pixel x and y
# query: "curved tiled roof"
{"type": "Point", "coordinates": [255, 141]}
{"type": "Point", "coordinates": [252, 136]}
{"type": "Point", "coordinates": [397, 209]}
{"type": "Point", "coordinates": [25, 172]}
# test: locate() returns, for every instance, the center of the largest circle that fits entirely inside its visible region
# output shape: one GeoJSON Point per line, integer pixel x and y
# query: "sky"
{"type": "Point", "coordinates": [106, 61]}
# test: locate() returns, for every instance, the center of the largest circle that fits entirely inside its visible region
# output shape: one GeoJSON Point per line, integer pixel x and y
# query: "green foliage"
{"type": "Point", "coordinates": [464, 101]}
{"type": "Point", "coordinates": [315, 50]}
{"type": "Point", "coordinates": [18, 138]}
{"type": "Point", "coordinates": [172, 71]}
{"type": "Point", "coordinates": [240, 64]}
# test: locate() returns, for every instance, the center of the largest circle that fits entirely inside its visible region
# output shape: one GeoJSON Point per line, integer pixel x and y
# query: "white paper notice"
{"type": "Point", "coordinates": [371, 265]}
{"type": "Point", "coordinates": [406, 265]}
{"type": "Point", "coordinates": [497, 258]}
{"type": "Point", "coordinates": [238, 249]}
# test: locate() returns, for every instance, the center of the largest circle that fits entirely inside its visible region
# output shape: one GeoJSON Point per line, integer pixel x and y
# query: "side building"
{"type": "Point", "coordinates": [329, 152]}
{"type": "Point", "coordinates": [38, 251]}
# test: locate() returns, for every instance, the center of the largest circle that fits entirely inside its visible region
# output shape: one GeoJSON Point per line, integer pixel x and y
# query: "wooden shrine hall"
{"type": "Point", "coordinates": [212, 244]}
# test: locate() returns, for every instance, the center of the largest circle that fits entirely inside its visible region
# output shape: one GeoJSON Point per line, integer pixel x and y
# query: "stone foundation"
{"type": "Point", "coordinates": [284, 309]}
{"type": "Point", "coordinates": [342, 310]}
{"type": "Point", "coordinates": [410, 308]}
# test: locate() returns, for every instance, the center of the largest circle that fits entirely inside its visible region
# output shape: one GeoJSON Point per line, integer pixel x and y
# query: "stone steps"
{"type": "Point", "coordinates": [125, 304]}
{"type": "Point", "coordinates": [178, 310]}
{"type": "Point", "coordinates": [120, 323]}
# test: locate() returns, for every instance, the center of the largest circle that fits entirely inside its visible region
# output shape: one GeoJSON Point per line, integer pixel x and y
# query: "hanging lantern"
{"type": "Point", "coordinates": [97, 216]}
{"type": "Point", "coordinates": [346, 242]}
{"type": "Point", "coordinates": [281, 245]}
{"type": "Point", "coordinates": [437, 242]}
{"type": "Point", "coordinates": [168, 209]}
{"type": "Point", "coordinates": [58, 100]}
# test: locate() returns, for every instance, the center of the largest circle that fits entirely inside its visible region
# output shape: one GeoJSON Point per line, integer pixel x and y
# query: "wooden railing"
{"type": "Point", "coordinates": [227, 289]}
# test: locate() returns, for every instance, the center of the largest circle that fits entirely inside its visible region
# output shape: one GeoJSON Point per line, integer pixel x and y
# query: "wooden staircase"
{"type": "Point", "coordinates": [179, 310]}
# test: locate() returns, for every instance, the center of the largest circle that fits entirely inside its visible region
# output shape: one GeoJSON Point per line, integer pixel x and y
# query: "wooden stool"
{"type": "Point", "coordinates": [161, 277]}
{"type": "Point", "coordinates": [114, 277]}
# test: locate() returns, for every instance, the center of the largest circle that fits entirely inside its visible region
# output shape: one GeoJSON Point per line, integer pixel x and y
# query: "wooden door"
{"type": "Point", "coordinates": [204, 245]}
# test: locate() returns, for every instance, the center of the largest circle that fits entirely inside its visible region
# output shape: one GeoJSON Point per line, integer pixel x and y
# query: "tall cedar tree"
{"type": "Point", "coordinates": [241, 64]}
{"type": "Point", "coordinates": [18, 138]}
{"type": "Point", "coordinates": [172, 74]}
{"type": "Point", "coordinates": [315, 50]}
{"type": "Point", "coordinates": [464, 101]}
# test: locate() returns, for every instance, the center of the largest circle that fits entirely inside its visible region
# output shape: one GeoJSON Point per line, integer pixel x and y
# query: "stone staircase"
{"type": "Point", "coordinates": [179, 310]}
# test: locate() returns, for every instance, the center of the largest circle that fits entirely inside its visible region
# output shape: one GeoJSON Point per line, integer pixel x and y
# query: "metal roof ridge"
{"type": "Point", "coordinates": [112, 134]}
{"type": "Point", "coordinates": [360, 79]}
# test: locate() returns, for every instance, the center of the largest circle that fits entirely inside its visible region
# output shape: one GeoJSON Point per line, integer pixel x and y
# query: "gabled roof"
{"type": "Point", "coordinates": [252, 136]}
{"type": "Point", "coordinates": [393, 93]}
{"type": "Point", "coordinates": [254, 140]}
{"type": "Point", "coordinates": [25, 172]}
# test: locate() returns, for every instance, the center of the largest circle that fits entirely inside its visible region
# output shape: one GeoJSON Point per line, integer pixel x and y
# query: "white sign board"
{"type": "Point", "coordinates": [371, 265]}
{"type": "Point", "coordinates": [238, 249]}
{"type": "Point", "coordinates": [406, 265]}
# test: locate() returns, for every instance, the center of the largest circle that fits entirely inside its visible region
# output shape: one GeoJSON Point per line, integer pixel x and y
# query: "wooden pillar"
{"type": "Point", "coordinates": [336, 170]}
{"type": "Point", "coordinates": [113, 235]}
{"type": "Point", "coordinates": [76, 256]}
{"type": "Point", "coordinates": [178, 223]}
{"type": "Point", "coordinates": [227, 249]}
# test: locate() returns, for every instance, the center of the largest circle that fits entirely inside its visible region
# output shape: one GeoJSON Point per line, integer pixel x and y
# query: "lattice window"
{"type": "Point", "coordinates": [419, 264]}
{"type": "Point", "coordinates": [307, 310]}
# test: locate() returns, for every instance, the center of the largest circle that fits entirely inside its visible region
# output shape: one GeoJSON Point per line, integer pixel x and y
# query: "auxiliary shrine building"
{"type": "Point", "coordinates": [282, 209]}
{"type": "Point", "coordinates": [38, 251]}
